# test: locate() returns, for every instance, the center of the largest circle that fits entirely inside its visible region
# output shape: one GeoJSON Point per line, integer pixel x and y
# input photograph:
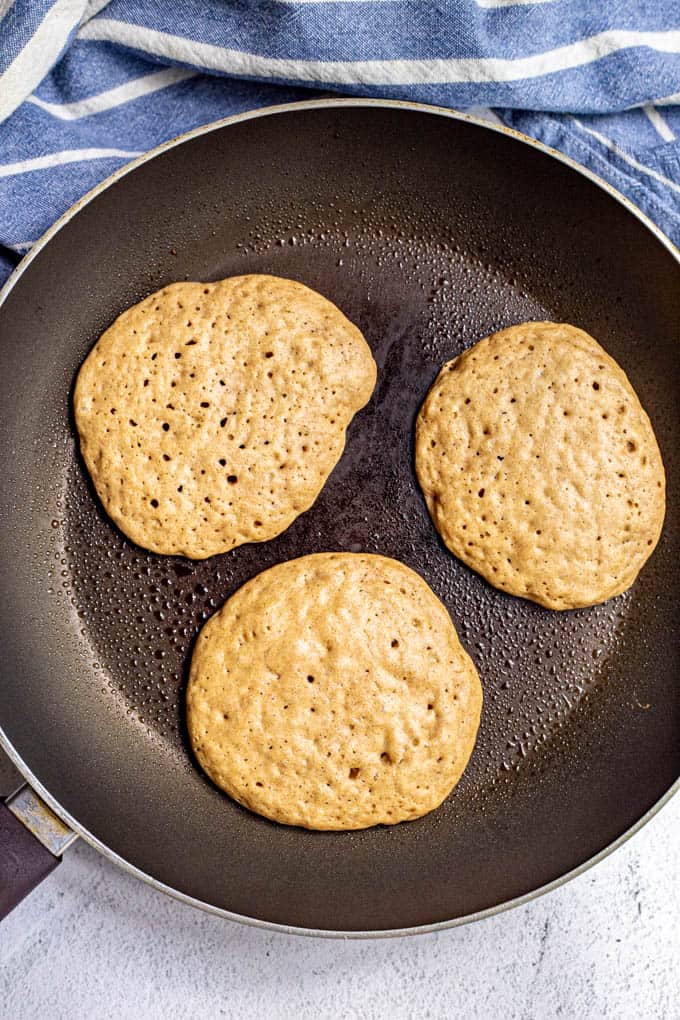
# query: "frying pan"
{"type": "Point", "coordinates": [430, 230]}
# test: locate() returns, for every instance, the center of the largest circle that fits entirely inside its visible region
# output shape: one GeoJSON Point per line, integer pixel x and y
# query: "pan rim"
{"type": "Point", "coordinates": [6, 744]}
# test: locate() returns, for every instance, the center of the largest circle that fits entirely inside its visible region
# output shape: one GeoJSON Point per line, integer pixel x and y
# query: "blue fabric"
{"type": "Point", "coordinates": [86, 85]}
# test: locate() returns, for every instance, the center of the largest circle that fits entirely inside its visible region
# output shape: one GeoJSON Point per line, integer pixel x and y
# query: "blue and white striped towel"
{"type": "Point", "coordinates": [86, 85]}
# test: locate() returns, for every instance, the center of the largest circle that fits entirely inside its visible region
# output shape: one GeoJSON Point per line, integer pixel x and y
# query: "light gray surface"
{"type": "Point", "coordinates": [94, 943]}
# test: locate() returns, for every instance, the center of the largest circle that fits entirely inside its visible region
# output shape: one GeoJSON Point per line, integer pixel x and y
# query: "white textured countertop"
{"type": "Point", "coordinates": [93, 942]}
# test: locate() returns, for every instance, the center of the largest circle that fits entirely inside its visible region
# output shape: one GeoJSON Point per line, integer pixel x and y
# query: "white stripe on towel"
{"type": "Point", "coordinates": [613, 147]}
{"type": "Point", "coordinates": [5, 6]}
{"type": "Point", "coordinates": [509, 3]}
{"type": "Point", "coordinates": [377, 72]}
{"type": "Point", "coordinates": [59, 158]}
{"type": "Point", "coordinates": [133, 89]}
{"type": "Point", "coordinates": [660, 125]}
{"type": "Point", "coordinates": [31, 65]}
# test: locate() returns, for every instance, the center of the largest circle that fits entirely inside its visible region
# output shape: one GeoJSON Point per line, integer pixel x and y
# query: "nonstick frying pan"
{"type": "Point", "coordinates": [429, 230]}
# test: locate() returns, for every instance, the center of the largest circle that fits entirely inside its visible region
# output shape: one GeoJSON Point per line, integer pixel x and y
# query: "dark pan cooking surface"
{"type": "Point", "coordinates": [429, 233]}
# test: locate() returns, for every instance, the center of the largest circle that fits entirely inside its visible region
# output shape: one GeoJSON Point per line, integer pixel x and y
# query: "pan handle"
{"type": "Point", "coordinates": [32, 840]}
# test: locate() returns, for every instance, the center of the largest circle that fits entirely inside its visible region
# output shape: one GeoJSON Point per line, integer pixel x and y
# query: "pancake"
{"type": "Point", "coordinates": [211, 414]}
{"type": "Point", "coordinates": [332, 692]}
{"type": "Point", "coordinates": [539, 466]}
